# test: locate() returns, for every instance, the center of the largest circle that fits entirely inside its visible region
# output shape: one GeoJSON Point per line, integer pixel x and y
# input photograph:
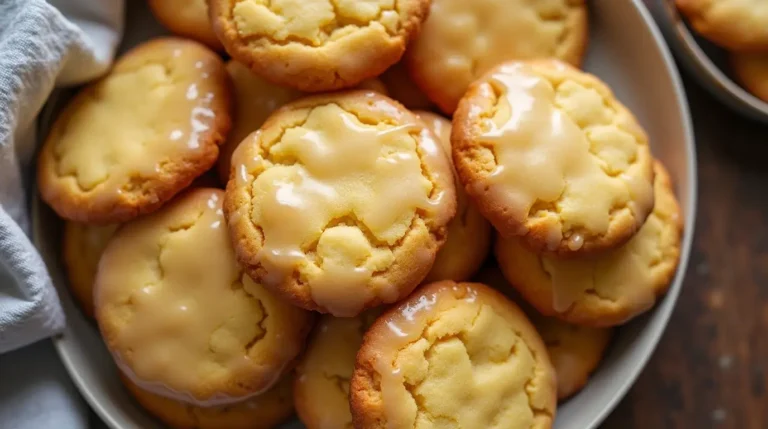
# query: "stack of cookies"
{"type": "Point", "coordinates": [741, 28]}
{"type": "Point", "coordinates": [343, 272]}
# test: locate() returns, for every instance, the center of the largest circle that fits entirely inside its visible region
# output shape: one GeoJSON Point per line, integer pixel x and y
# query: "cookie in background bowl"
{"type": "Point", "coordinates": [181, 318]}
{"type": "Point", "coordinates": [461, 40]}
{"type": "Point", "coordinates": [129, 142]}
{"type": "Point", "coordinates": [340, 202]}
{"type": "Point", "coordinates": [751, 70]}
{"type": "Point", "coordinates": [187, 18]}
{"type": "Point", "coordinates": [605, 289]}
{"type": "Point", "coordinates": [737, 25]}
{"type": "Point", "coordinates": [551, 157]}
{"type": "Point", "coordinates": [470, 356]}
{"type": "Point", "coordinates": [317, 45]}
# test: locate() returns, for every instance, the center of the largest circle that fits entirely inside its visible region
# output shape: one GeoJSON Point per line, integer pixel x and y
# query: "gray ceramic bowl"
{"type": "Point", "coordinates": [707, 62]}
{"type": "Point", "coordinates": [627, 51]}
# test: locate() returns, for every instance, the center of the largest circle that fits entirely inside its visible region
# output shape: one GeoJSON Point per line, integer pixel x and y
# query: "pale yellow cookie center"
{"type": "Point", "coordinates": [311, 22]}
{"type": "Point", "coordinates": [562, 151]}
{"type": "Point", "coordinates": [337, 197]}
{"type": "Point", "coordinates": [137, 120]}
{"type": "Point", "coordinates": [187, 315]}
{"type": "Point", "coordinates": [462, 366]}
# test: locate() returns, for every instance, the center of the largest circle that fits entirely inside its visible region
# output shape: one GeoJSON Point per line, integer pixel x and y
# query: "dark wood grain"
{"type": "Point", "coordinates": [711, 367]}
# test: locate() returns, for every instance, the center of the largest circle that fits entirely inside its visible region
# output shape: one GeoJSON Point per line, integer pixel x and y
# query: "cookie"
{"type": "Point", "coordinates": [82, 245]}
{"type": "Point", "coordinates": [461, 40]}
{"type": "Point", "coordinates": [751, 71]}
{"type": "Point", "coordinates": [739, 25]}
{"type": "Point", "coordinates": [402, 88]}
{"type": "Point", "coordinates": [128, 143]}
{"type": "Point", "coordinates": [317, 45]}
{"type": "Point", "coordinates": [469, 234]}
{"type": "Point", "coordinates": [453, 355]}
{"type": "Point", "coordinates": [187, 18]}
{"type": "Point", "coordinates": [549, 155]}
{"type": "Point", "coordinates": [264, 411]}
{"type": "Point", "coordinates": [606, 289]}
{"type": "Point", "coordinates": [255, 99]}
{"type": "Point", "coordinates": [340, 202]}
{"type": "Point", "coordinates": [180, 316]}
{"type": "Point", "coordinates": [321, 389]}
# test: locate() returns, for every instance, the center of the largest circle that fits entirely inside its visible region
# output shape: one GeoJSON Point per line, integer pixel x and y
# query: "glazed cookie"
{"type": "Point", "coordinates": [739, 25]}
{"type": "Point", "coordinates": [264, 411]}
{"type": "Point", "coordinates": [575, 351]}
{"type": "Point", "coordinates": [469, 234]}
{"type": "Point", "coordinates": [401, 87]}
{"type": "Point", "coordinates": [606, 289]}
{"type": "Point", "coordinates": [751, 70]}
{"type": "Point", "coordinates": [187, 18]}
{"type": "Point", "coordinates": [317, 45]}
{"type": "Point", "coordinates": [180, 316]}
{"type": "Point", "coordinates": [453, 355]}
{"type": "Point", "coordinates": [128, 143]}
{"type": "Point", "coordinates": [463, 39]}
{"type": "Point", "coordinates": [321, 389]}
{"type": "Point", "coordinates": [82, 246]}
{"type": "Point", "coordinates": [340, 202]}
{"type": "Point", "coordinates": [549, 155]}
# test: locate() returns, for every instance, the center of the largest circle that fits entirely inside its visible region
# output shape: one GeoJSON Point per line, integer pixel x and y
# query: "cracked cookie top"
{"type": "Point", "coordinates": [331, 44]}
{"type": "Point", "coordinates": [129, 142]}
{"type": "Point", "coordinates": [551, 156]}
{"type": "Point", "coordinates": [321, 390]}
{"type": "Point", "coordinates": [180, 316]}
{"type": "Point", "coordinates": [605, 289]}
{"type": "Point", "coordinates": [469, 233]}
{"type": "Point", "coordinates": [453, 355]}
{"type": "Point", "coordinates": [340, 202]}
{"type": "Point", "coordinates": [264, 411]}
{"type": "Point", "coordinates": [463, 39]}
{"type": "Point", "coordinates": [739, 25]}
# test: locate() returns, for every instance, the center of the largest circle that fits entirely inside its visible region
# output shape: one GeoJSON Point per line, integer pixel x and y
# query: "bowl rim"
{"type": "Point", "coordinates": [662, 312]}
{"type": "Point", "coordinates": [704, 69]}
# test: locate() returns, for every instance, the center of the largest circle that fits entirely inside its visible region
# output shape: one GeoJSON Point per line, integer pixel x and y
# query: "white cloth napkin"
{"type": "Point", "coordinates": [42, 45]}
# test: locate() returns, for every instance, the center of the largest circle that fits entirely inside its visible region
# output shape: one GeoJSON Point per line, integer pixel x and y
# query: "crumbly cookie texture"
{"type": "Point", "coordinates": [453, 355]}
{"type": "Point", "coordinates": [321, 389]}
{"type": "Point", "coordinates": [128, 143]}
{"type": "Point", "coordinates": [739, 25]}
{"type": "Point", "coordinates": [82, 245]}
{"type": "Point", "coordinates": [751, 71]}
{"type": "Point", "coordinates": [263, 411]}
{"type": "Point", "coordinates": [340, 202]}
{"type": "Point", "coordinates": [461, 40]}
{"type": "Point", "coordinates": [317, 45]}
{"type": "Point", "coordinates": [187, 18]}
{"type": "Point", "coordinates": [606, 289]}
{"type": "Point", "coordinates": [181, 317]}
{"type": "Point", "coordinates": [469, 234]}
{"type": "Point", "coordinates": [551, 156]}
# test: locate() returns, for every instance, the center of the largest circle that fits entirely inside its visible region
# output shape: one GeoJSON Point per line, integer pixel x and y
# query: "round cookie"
{"type": "Point", "coordinates": [180, 316]}
{"type": "Point", "coordinates": [264, 411]}
{"type": "Point", "coordinates": [739, 25]}
{"type": "Point", "coordinates": [321, 389]}
{"type": "Point", "coordinates": [751, 70]}
{"type": "Point", "coordinates": [82, 245]}
{"type": "Point", "coordinates": [340, 202]}
{"type": "Point", "coordinates": [468, 354]}
{"type": "Point", "coordinates": [187, 18]}
{"type": "Point", "coordinates": [469, 234]}
{"type": "Point", "coordinates": [549, 155]}
{"type": "Point", "coordinates": [606, 289]}
{"type": "Point", "coordinates": [317, 45]}
{"type": "Point", "coordinates": [402, 88]}
{"type": "Point", "coordinates": [128, 143]}
{"type": "Point", "coordinates": [463, 39]}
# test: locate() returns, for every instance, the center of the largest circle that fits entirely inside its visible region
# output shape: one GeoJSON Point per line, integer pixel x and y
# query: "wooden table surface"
{"type": "Point", "coordinates": [711, 367]}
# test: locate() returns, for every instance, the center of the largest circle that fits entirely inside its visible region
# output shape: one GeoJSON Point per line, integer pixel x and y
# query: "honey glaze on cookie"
{"type": "Point", "coordinates": [340, 194]}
